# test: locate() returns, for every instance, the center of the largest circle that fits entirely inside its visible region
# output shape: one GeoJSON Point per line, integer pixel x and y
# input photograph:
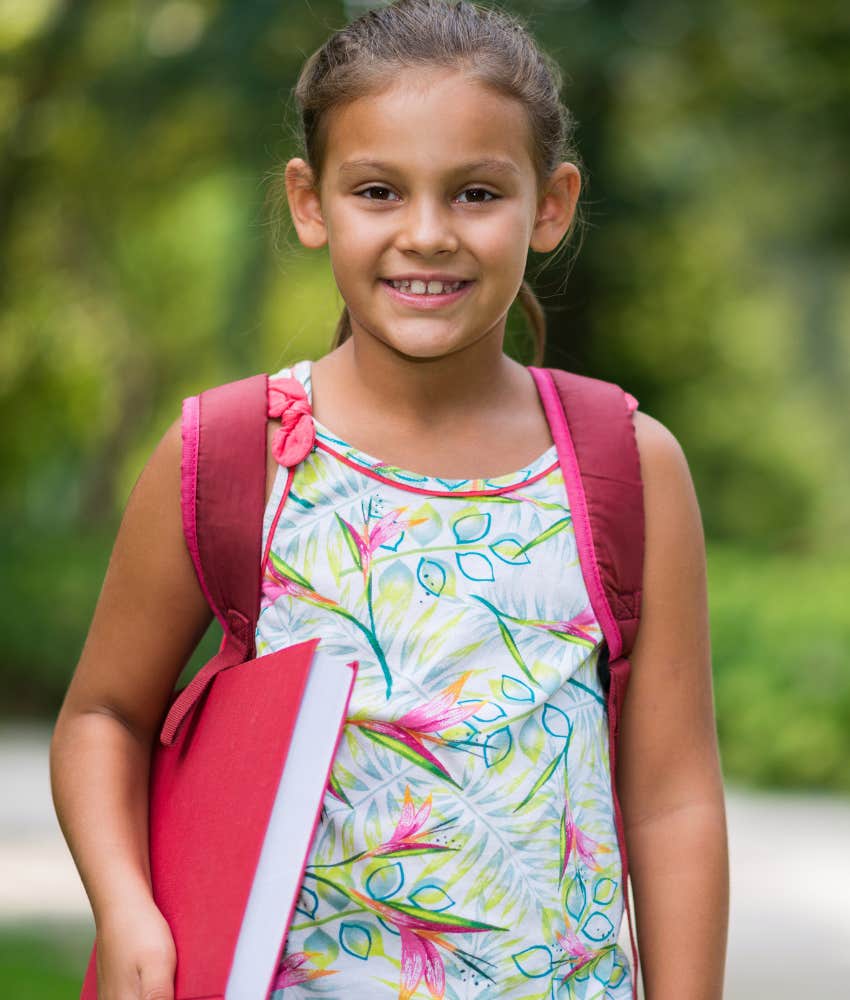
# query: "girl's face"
{"type": "Point", "coordinates": [430, 183]}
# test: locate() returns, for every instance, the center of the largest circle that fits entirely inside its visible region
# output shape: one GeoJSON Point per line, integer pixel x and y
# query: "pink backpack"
{"type": "Point", "coordinates": [223, 501]}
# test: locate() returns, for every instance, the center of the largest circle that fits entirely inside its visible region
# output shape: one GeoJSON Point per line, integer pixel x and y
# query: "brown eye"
{"type": "Point", "coordinates": [478, 193]}
{"type": "Point", "coordinates": [382, 194]}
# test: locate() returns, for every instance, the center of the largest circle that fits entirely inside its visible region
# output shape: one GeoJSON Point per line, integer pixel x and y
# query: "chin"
{"type": "Point", "coordinates": [429, 344]}
{"type": "Point", "coordinates": [425, 349]}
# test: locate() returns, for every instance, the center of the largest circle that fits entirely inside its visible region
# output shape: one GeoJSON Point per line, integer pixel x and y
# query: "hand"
{"type": "Point", "coordinates": [136, 957]}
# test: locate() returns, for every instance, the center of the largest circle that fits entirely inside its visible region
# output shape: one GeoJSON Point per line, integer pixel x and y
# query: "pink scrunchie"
{"type": "Point", "coordinates": [296, 435]}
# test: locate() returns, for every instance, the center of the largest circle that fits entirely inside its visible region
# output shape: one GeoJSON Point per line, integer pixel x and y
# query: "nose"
{"type": "Point", "coordinates": [426, 228]}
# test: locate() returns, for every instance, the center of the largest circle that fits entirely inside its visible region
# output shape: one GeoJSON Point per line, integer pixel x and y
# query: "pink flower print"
{"type": "Point", "coordinates": [577, 952]}
{"type": "Point", "coordinates": [295, 437]}
{"type": "Point", "coordinates": [441, 712]}
{"type": "Point", "coordinates": [408, 836]}
{"type": "Point", "coordinates": [367, 541]}
{"type": "Point", "coordinates": [582, 626]}
{"type": "Point", "coordinates": [577, 840]}
{"type": "Point", "coordinates": [406, 735]}
{"type": "Point", "coordinates": [277, 583]}
{"type": "Point", "coordinates": [421, 930]}
{"type": "Point", "coordinates": [419, 957]}
{"type": "Point", "coordinates": [292, 973]}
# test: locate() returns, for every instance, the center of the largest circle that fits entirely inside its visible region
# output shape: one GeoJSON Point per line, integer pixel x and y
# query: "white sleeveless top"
{"type": "Point", "coordinates": [467, 845]}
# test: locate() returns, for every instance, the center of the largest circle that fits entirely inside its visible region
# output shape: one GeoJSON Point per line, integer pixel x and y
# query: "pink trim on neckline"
{"type": "Point", "coordinates": [324, 433]}
{"type": "Point", "coordinates": [373, 474]}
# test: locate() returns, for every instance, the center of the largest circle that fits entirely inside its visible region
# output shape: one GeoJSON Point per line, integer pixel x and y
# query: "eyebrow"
{"type": "Point", "coordinates": [492, 165]}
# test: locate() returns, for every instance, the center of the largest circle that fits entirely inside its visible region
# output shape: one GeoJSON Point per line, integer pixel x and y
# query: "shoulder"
{"type": "Point", "coordinates": [664, 467]}
{"type": "Point", "coordinates": [156, 492]}
{"type": "Point", "coordinates": [673, 523]}
{"type": "Point", "coordinates": [659, 449]}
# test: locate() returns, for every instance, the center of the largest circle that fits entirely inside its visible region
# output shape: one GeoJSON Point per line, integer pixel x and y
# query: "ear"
{"type": "Point", "coordinates": [556, 208]}
{"type": "Point", "coordinates": [304, 204]}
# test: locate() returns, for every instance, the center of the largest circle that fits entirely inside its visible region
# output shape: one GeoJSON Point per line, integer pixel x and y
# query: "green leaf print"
{"type": "Point", "coordinates": [433, 898]}
{"type": "Point", "coordinates": [286, 570]}
{"type": "Point", "coordinates": [509, 550]}
{"type": "Point", "coordinates": [356, 939]}
{"type": "Point", "coordinates": [385, 881]}
{"type": "Point", "coordinates": [429, 523]}
{"type": "Point", "coordinates": [532, 738]}
{"type": "Point", "coordinates": [350, 541]}
{"type": "Point", "coordinates": [508, 639]}
{"type": "Point", "coordinates": [553, 529]}
{"type": "Point", "coordinates": [513, 649]}
{"type": "Point", "coordinates": [446, 922]}
{"type": "Point", "coordinates": [395, 587]}
{"type": "Point", "coordinates": [432, 575]}
{"type": "Point", "coordinates": [541, 781]}
{"type": "Point", "coordinates": [415, 757]}
{"type": "Point", "coordinates": [471, 527]}
{"type": "Point", "coordinates": [489, 874]}
{"type": "Point", "coordinates": [336, 788]}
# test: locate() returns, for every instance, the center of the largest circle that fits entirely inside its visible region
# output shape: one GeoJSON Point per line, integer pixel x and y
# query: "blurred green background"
{"type": "Point", "coordinates": [143, 257]}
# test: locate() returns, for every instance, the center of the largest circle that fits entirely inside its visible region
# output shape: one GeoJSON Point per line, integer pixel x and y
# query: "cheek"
{"type": "Point", "coordinates": [502, 239]}
{"type": "Point", "coordinates": [351, 247]}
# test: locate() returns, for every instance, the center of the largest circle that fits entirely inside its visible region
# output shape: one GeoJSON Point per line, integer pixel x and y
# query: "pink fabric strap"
{"type": "Point", "coordinates": [223, 488]}
{"type": "Point", "coordinates": [591, 425]}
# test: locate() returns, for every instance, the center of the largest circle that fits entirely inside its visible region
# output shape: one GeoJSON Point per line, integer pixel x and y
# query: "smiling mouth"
{"type": "Point", "coordinates": [417, 287]}
{"type": "Point", "coordinates": [426, 296]}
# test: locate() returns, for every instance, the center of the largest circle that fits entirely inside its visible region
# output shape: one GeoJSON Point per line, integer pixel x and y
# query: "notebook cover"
{"type": "Point", "coordinates": [211, 795]}
{"type": "Point", "coordinates": [291, 830]}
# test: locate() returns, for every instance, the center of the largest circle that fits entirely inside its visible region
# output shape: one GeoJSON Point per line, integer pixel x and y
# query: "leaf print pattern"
{"type": "Point", "coordinates": [466, 848]}
{"type": "Point", "coordinates": [407, 838]}
{"type": "Point", "coordinates": [366, 541]}
{"type": "Point", "coordinates": [406, 736]}
{"type": "Point", "coordinates": [282, 581]}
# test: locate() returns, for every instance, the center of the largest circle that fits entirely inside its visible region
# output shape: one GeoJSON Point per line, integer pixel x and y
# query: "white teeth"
{"type": "Point", "coordinates": [417, 287]}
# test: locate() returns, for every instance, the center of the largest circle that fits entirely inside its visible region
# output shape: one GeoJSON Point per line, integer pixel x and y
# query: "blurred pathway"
{"type": "Point", "coordinates": [789, 929]}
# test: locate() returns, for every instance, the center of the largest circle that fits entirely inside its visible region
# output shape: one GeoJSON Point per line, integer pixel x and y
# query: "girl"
{"type": "Point", "coordinates": [424, 532]}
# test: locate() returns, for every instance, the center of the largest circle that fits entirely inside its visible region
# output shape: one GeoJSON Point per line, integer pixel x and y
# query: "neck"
{"type": "Point", "coordinates": [427, 392]}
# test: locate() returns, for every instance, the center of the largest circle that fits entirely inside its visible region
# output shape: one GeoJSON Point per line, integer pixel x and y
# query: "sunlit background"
{"type": "Point", "coordinates": [144, 257]}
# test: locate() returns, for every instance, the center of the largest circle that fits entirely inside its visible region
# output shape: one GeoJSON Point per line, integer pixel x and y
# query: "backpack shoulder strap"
{"type": "Point", "coordinates": [223, 480]}
{"type": "Point", "coordinates": [591, 424]}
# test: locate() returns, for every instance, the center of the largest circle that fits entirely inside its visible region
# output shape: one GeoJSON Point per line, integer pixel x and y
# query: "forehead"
{"type": "Point", "coordinates": [430, 120]}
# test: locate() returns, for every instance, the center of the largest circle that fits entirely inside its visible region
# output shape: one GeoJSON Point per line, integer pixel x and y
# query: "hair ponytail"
{"type": "Point", "coordinates": [536, 320]}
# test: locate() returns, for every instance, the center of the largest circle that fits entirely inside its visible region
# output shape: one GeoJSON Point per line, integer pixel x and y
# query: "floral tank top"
{"type": "Point", "coordinates": [466, 847]}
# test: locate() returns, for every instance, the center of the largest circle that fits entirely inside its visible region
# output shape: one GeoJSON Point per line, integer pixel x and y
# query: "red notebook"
{"type": "Point", "coordinates": [234, 804]}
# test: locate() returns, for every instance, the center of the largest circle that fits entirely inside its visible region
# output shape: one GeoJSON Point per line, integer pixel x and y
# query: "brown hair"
{"type": "Point", "coordinates": [493, 46]}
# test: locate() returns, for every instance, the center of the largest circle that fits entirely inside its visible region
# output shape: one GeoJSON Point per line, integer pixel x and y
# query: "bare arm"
{"type": "Point", "coordinates": [669, 776]}
{"type": "Point", "coordinates": [150, 615]}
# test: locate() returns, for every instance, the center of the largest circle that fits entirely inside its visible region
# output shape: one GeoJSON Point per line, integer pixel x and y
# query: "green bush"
{"type": "Point", "coordinates": [44, 961]}
{"type": "Point", "coordinates": [780, 635]}
{"type": "Point", "coordinates": [50, 587]}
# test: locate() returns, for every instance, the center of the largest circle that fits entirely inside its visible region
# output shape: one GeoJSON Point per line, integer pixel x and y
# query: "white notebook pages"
{"type": "Point", "coordinates": [289, 835]}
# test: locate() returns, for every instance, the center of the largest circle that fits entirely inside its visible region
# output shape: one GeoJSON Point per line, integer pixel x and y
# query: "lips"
{"type": "Point", "coordinates": [429, 286]}
{"type": "Point", "coordinates": [402, 291]}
